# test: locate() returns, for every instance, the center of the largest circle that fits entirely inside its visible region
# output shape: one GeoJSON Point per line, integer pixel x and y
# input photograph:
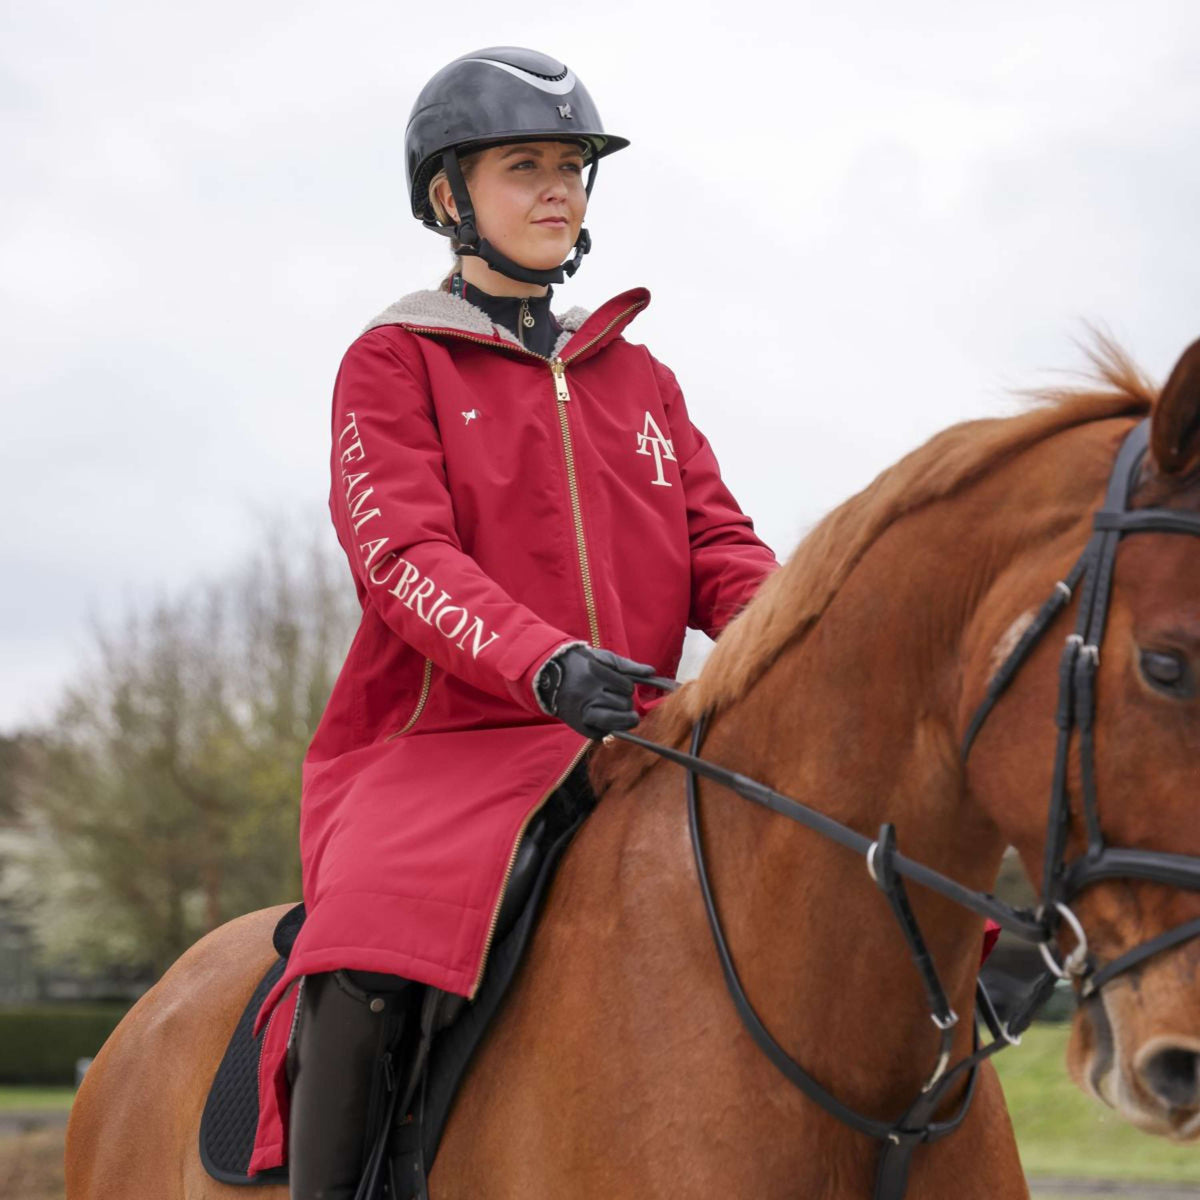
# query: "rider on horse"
{"type": "Point", "coordinates": [524, 502]}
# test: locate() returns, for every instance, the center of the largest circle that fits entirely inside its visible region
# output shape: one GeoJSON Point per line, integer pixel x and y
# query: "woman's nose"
{"type": "Point", "coordinates": [555, 187]}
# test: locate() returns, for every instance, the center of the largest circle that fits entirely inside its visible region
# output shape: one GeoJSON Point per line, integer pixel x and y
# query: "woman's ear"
{"type": "Point", "coordinates": [446, 196]}
{"type": "Point", "coordinates": [1175, 423]}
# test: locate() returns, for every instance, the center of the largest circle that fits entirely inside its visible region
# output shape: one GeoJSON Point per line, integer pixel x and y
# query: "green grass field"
{"type": "Point", "coordinates": [1063, 1132]}
{"type": "Point", "coordinates": [35, 1099]}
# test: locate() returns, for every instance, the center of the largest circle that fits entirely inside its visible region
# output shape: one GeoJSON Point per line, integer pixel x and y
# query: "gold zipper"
{"type": "Point", "coordinates": [512, 859]}
{"type": "Point", "coordinates": [440, 331]}
{"type": "Point", "coordinates": [426, 681]}
{"type": "Point", "coordinates": [618, 318]}
{"type": "Point", "coordinates": [559, 370]}
{"type": "Point", "coordinates": [266, 1033]}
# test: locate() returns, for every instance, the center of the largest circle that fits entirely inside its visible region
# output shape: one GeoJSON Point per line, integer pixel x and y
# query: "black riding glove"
{"type": "Point", "coordinates": [590, 690]}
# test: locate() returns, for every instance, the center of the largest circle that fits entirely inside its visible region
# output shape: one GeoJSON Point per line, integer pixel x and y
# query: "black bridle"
{"type": "Point", "coordinates": [1063, 881]}
{"type": "Point", "coordinates": [1076, 713]}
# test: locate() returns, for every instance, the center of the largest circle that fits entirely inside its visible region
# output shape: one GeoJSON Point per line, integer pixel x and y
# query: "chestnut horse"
{"type": "Point", "coordinates": [618, 1068]}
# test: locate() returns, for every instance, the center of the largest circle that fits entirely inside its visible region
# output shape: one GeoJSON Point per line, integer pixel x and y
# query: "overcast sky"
{"type": "Point", "coordinates": [859, 221]}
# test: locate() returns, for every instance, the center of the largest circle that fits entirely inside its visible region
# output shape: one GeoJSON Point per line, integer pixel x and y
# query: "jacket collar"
{"type": "Point", "coordinates": [432, 309]}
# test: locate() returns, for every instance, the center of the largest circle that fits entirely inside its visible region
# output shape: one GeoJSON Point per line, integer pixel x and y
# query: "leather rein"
{"type": "Point", "coordinates": [1062, 881]}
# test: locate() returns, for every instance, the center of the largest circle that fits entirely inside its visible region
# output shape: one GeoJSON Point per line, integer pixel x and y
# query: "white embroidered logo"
{"type": "Point", "coordinates": [473, 413]}
{"type": "Point", "coordinates": [651, 441]}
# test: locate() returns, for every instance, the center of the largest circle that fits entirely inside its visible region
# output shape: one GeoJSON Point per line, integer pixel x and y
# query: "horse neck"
{"type": "Point", "coordinates": [859, 720]}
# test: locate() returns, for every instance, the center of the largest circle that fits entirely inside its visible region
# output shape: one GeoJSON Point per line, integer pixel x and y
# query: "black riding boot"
{"type": "Point", "coordinates": [350, 1021]}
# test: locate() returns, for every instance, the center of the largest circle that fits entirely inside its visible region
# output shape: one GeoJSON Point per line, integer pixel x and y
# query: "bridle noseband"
{"type": "Point", "coordinates": [1091, 578]}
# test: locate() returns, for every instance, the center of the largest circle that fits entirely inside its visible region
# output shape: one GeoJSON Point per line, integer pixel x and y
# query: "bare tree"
{"type": "Point", "coordinates": [164, 798]}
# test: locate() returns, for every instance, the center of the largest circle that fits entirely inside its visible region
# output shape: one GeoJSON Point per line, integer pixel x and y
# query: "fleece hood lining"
{"type": "Point", "coordinates": [437, 309]}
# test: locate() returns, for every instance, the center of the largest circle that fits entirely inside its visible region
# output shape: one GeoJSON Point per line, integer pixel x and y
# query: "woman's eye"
{"type": "Point", "coordinates": [1167, 671]}
{"type": "Point", "coordinates": [576, 167]}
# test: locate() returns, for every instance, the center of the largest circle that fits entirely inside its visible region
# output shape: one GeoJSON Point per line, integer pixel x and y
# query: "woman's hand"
{"type": "Point", "coordinates": [590, 690]}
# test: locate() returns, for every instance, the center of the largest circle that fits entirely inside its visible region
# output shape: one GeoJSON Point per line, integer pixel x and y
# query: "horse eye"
{"type": "Point", "coordinates": [1167, 672]}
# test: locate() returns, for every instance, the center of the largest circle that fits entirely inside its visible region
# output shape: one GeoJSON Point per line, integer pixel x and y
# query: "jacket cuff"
{"type": "Point", "coordinates": [537, 675]}
{"type": "Point", "coordinates": [522, 688]}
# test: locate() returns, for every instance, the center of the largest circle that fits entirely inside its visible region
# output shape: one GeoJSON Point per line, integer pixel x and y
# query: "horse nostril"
{"type": "Point", "coordinates": [1173, 1076]}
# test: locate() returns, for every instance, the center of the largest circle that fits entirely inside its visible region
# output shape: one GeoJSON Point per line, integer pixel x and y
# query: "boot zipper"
{"type": "Point", "coordinates": [426, 681]}
{"type": "Point", "coordinates": [512, 859]}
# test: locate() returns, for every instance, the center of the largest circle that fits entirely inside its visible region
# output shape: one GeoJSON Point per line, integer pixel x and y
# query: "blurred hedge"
{"type": "Point", "coordinates": [41, 1044]}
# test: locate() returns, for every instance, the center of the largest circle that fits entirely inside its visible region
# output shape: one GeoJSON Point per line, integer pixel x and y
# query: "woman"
{"type": "Point", "coordinates": [532, 521]}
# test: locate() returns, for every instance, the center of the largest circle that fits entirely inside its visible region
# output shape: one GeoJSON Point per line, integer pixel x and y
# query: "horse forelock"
{"type": "Point", "coordinates": [792, 600]}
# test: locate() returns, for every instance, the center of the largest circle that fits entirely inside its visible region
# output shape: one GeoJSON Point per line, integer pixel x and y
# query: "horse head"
{"type": "Point", "coordinates": [1120, 861]}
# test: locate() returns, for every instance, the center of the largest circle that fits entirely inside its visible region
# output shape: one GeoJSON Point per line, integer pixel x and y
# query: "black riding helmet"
{"type": "Point", "coordinates": [494, 96]}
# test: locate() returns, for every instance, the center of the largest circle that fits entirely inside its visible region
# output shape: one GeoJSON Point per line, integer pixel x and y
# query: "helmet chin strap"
{"type": "Point", "coordinates": [466, 232]}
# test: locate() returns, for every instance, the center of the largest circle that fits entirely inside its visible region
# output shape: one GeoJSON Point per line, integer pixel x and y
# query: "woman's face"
{"type": "Point", "coordinates": [529, 200]}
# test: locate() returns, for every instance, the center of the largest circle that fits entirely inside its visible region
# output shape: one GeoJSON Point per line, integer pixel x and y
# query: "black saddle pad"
{"type": "Point", "coordinates": [230, 1117]}
{"type": "Point", "coordinates": [231, 1112]}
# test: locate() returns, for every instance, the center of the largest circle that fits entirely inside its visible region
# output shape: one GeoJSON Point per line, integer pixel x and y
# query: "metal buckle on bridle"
{"type": "Point", "coordinates": [1075, 964]}
{"type": "Point", "coordinates": [944, 1025]}
{"type": "Point", "coordinates": [871, 849]}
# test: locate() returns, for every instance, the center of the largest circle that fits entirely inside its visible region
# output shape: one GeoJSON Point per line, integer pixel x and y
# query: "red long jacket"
{"type": "Point", "coordinates": [494, 505]}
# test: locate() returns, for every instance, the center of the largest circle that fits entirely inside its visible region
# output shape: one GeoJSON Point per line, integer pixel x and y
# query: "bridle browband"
{"type": "Point", "coordinates": [1062, 881]}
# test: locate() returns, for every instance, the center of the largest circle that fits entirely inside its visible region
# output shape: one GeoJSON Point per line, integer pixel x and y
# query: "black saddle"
{"type": "Point", "coordinates": [230, 1117]}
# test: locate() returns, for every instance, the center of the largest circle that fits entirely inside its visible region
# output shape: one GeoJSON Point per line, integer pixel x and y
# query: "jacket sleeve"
{"type": "Point", "coordinates": [394, 517]}
{"type": "Point", "coordinates": [729, 561]}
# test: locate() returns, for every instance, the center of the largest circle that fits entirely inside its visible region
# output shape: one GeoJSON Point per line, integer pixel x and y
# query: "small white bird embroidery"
{"type": "Point", "coordinates": [473, 413]}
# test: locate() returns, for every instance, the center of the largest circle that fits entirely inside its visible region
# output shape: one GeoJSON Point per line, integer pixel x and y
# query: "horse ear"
{"type": "Point", "coordinates": [1175, 424]}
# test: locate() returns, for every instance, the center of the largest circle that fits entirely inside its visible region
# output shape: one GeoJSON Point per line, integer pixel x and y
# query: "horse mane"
{"type": "Point", "coordinates": [791, 601]}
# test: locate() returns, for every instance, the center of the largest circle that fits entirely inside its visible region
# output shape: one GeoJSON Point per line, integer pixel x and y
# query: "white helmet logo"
{"type": "Point", "coordinates": [555, 87]}
{"type": "Point", "coordinates": [564, 111]}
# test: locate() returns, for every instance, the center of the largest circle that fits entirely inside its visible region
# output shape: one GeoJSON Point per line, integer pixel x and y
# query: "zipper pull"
{"type": "Point", "coordinates": [526, 316]}
{"type": "Point", "coordinates": [559, 369]}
